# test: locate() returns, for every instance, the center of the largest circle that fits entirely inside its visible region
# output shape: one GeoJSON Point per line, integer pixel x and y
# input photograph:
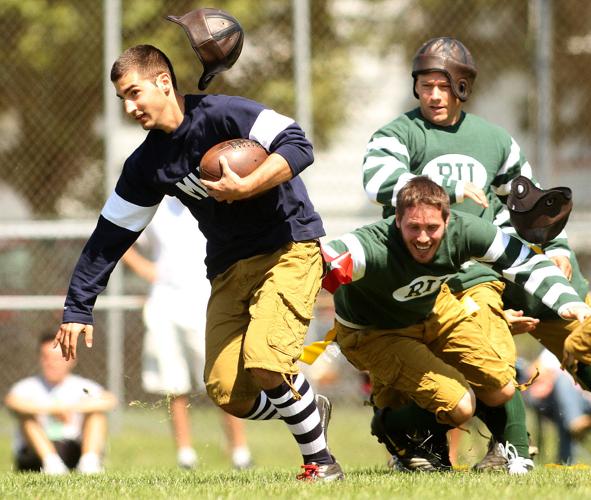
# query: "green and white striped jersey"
{"type": "Point", "coordinates": [473, 150]}
{"type": "Point", "coordinates": [389, 289]}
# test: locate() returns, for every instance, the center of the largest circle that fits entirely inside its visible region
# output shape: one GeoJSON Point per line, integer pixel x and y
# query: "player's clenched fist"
{"type": "Point", "coordinates": [67, 338]}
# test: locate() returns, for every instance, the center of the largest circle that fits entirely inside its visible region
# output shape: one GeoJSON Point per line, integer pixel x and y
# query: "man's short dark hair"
{"type": "Point", "coordinates": [422, 190]}
{"type": "Point", "coordinates": [147, 60]}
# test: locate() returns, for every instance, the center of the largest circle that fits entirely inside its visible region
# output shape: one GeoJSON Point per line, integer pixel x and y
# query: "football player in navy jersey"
{"type": "Point", "coordinates": [263, 257]}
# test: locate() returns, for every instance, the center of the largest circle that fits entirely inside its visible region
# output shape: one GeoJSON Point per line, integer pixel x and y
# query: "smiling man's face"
{"type": "Point", "coordinates": [422, 228]}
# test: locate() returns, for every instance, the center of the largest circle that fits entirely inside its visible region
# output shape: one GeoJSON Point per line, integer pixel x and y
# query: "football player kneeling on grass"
{"type": "Point", "coordinates": [429, 358]}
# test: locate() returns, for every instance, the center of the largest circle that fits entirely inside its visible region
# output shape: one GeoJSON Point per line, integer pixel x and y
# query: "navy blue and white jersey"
{"type": "Point", "coordinates": [168, 163]}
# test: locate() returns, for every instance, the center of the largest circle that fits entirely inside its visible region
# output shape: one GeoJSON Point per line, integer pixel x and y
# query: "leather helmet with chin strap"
{"type": "Point", "coordinates": [216, 38]}
{"type": "Point", "coordinates": [451, 57]}
{"type": "Point", "coordinates": [538, 215]}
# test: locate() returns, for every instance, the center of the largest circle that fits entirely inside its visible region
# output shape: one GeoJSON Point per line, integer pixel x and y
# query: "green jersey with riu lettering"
{"type": "Point", "coordinates": [473, 150]}
{"type": "Point", "coordinates": [386, 288]}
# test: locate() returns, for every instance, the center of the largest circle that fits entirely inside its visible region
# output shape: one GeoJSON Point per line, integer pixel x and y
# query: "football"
{"type": "Point", "coordinates": [243, 155]}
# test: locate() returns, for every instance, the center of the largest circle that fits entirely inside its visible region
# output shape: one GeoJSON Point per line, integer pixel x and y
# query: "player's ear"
{"type": "Point", "coordinates": [164, 83]}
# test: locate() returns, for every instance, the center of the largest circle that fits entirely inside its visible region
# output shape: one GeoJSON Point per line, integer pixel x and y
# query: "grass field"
{"type": "Point", "coordinates": [141, 464]}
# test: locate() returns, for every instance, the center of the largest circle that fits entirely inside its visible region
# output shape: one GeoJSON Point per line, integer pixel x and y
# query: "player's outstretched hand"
{"type": "Point", "coordinates": [518, 323]}
{"type": "Point", "coordinates": [476, 194]}
{"type": "Point", "coordinates": [67, 338]}
{"type": "Point", "coordinates": [579, 312]}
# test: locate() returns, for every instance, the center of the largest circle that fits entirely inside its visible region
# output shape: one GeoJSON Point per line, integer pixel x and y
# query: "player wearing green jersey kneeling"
{"type": "Point", "coordinates": [397, 318]}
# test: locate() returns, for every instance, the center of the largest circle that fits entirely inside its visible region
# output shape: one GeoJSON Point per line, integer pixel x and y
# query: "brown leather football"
{"type": "Point", "coordinates": [243, 155]}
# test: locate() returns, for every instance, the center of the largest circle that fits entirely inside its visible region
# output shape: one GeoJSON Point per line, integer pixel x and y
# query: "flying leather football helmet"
{"type": "Point", "coordinates": [216, 38]}
{"type": "Point", "coordinates": [538, 215]}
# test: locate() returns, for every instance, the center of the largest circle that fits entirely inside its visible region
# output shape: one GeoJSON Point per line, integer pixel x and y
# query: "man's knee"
{"type": "Point", "coordinates": [266, 379]}
{"type": "Point", "coordinates": [463, 411]}
{"type": "Point", "coordinates": [238, 408]}
{"type": "Point", "coordinates": [497, 397]}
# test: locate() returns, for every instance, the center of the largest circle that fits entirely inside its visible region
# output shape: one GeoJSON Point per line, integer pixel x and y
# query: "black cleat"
{"type": "Point", "coordinates": [424, 452]}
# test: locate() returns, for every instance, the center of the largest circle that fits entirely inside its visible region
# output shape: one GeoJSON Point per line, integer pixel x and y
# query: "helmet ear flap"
{"type": "Point", "coordinates": [414, 86]}
{"type": "Point", "coordinates": [463, 89]}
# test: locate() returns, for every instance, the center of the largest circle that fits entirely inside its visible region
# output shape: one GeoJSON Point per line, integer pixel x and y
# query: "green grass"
{"type": "Point", "coordinates": [141, 464]}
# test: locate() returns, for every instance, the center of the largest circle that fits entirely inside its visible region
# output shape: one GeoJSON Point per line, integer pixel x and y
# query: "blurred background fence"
{"type": "Point", "coordinates": [341, 67]}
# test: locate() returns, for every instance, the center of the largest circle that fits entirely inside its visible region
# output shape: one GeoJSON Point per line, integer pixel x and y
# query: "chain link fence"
{"type": "Point", "coordinates": [52, 148]}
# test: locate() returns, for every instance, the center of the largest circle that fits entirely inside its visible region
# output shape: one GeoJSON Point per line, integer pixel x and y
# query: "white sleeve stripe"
{"type": "Point", "coordinates": [127, 215]}
{"type": "Point", "coordinates": [501, 218]}
{"type": "Point", "coordinates": [526, 170]}
{"type": "Point", "coordinates": [378, 161]}
{"type": "Point", "coordinates": [512, 159]}
{"type": "Point", "coordinates": [553, 295]}
{"type": "Point", "coordinates": [497, 247]}
{"type": "Point", "coordinates": [357, 255]}
{"type": "Point", "coordinates": [511, 272]}
{"type": "Point", "coordinates": [330, 251]}
{"type": "Point", "coordinates": [390, 144]}
{"type": "Point", "coordinates": [556, 252]}
{"type": "Point", "coordinates": [402, 180]}
{"type": "Point", "coordinates": [503, 189]}
{"type": "Point", "coordinates": [267, 126]}
{"type": "Point", "coordinates": [372, 188]}
{"type": "Point", "coordinates": [460, 191]}
{"type": "Point", "coordinates": [538, 275]}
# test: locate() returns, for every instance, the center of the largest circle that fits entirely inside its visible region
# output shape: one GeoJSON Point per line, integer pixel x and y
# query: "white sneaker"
{"type": "Point", "coordinates": [187, 458]}
{"type": "Point", "coordinates": [516, 465]}
{"type": "Point", "coordinates": [53, 465]}
{"type": "Point", "coordinates": [90, 463]}
{"type": "Point", "coordinates": [241, 458]}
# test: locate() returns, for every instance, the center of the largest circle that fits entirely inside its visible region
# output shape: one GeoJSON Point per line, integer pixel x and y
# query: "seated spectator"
{"type": "Point", "coordinates": [556, 396]}
{"type": "Point", "coordinates": [62, 417]}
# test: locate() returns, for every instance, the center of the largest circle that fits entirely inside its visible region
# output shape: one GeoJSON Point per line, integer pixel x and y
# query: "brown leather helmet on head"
{"type": "Point", "coordinates": [216, 38]}
{"type": "Point", "coordinates": [538, 215]}
{"type": "Point", "coordinates": [451, 57]}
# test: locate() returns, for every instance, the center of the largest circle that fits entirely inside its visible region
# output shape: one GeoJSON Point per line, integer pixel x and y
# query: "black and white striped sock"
{"type": "Point", "coordinates": [263, 409]}
{"type": "Point", "coordinates": [302, 419]}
